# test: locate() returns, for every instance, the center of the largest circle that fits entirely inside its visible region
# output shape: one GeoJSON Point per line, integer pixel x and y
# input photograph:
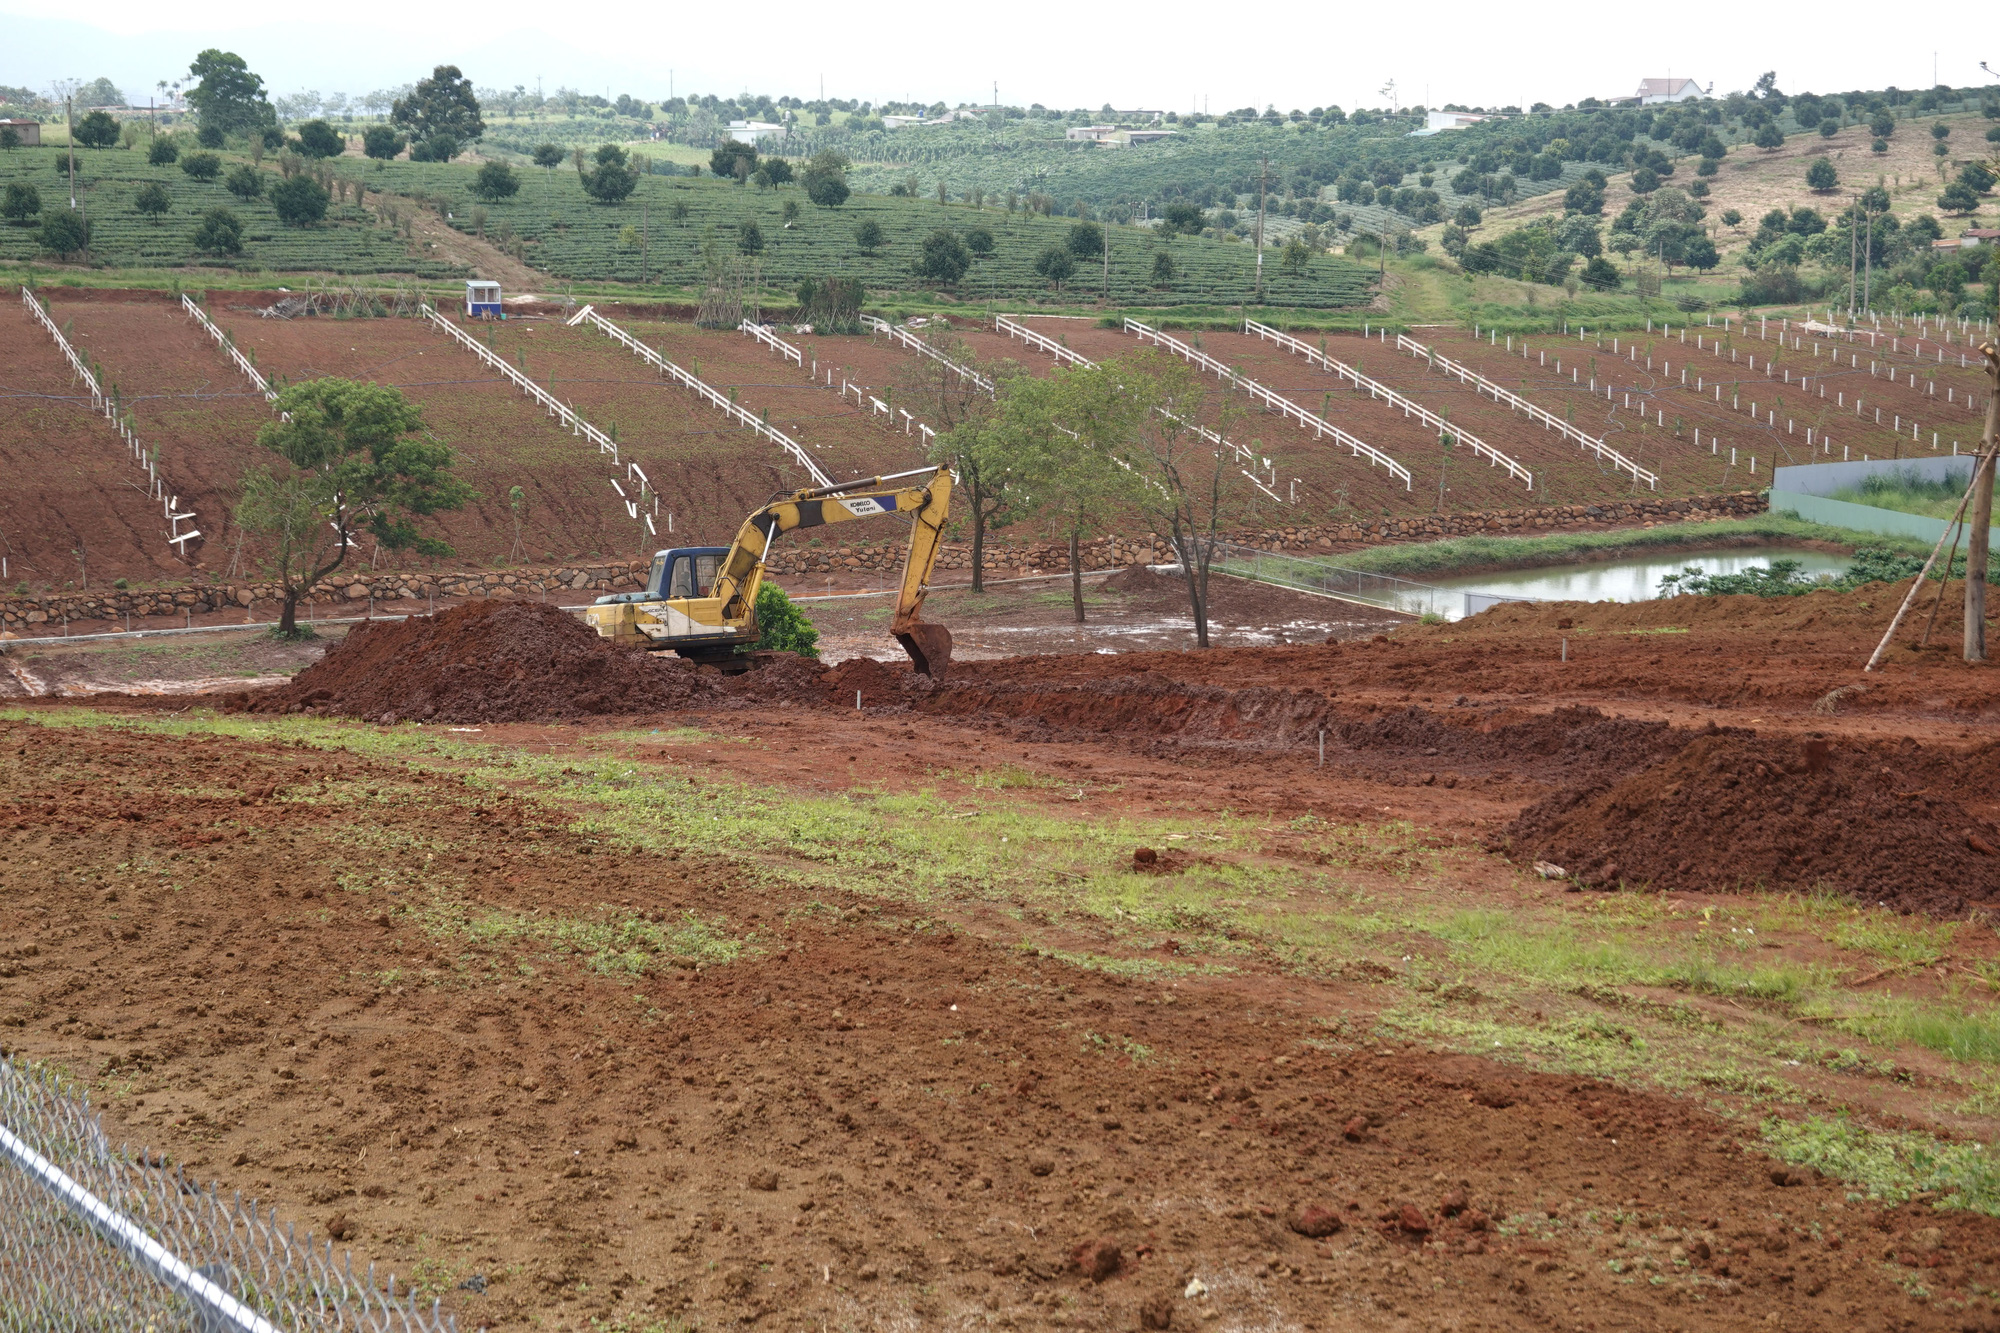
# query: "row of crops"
{"type": "Point", "coordinates": [350, 241]}
{"type": "Point", "coordinates": [671, 225]}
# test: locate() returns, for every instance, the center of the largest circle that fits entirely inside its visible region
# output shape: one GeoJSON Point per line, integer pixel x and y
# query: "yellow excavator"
{"type": "Point", "coordinates": [701, 601]}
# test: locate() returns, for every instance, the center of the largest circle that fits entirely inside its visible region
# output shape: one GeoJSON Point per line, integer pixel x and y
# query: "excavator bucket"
{"type": "Point", "coordinates": [929, 647]}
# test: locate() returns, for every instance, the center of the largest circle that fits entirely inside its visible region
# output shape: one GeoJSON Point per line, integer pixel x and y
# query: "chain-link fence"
{"type": "Point", "coordinates": [92, 1238]}
{"type": "Point", "coordinates": [1353, 585]}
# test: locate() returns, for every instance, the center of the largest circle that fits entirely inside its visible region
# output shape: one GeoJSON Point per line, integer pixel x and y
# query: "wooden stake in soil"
{"type": "Point", "coordinates": [1982, 515]}
{"type": "Point", "coordinates": [1916, 585]}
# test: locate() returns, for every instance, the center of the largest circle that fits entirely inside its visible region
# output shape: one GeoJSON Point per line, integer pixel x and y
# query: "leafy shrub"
{"type": "Point", "coordinates": [382, 143]}
{"type": "Point", "coordinates": [943, 257]}
{"type": "Point", "coordinates": [300, 201]}
{"type": "Point", "coordinates": [202, 166]}
{"type": "Point", "coordinates": [781, 626]}
{"type": "Point", "coordinates": [153, 200]}
{"type": "Point", "coordinates": [64, 233]}
{"type": "Point", "coordinates": [96, 130]}
{"type": "Point", "coordinates": [496, 181]}
{"type": "Point", "coordinates": [244, 181]}
{"type": "Point", "coordinates": [219, 232]}
{"type": "Point", "coordinates": [319, 139]}
{"type": "Point", "coordinates": [20, 203]}
{"type": "Point", "coordinates": [162, 152]}
{"type": "Point", "coordinates": [831, 305]}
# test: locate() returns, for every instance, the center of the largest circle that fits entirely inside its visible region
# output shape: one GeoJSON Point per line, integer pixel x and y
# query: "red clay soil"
{"type": "Point", "coordinates": [864, 1115]}
{"type": "Point", "coordinates": [1877, 822]}
{"type": "Point", "coordinates": [186, 400]}
{"type": "Point", "coordinates": [501, 438]}
{"type": "Point", "coordinates": [67, 481]}
{"type": "Point", "coordinates": [707, 471]}
{"type": "Point", "coordinates": [487, 661]}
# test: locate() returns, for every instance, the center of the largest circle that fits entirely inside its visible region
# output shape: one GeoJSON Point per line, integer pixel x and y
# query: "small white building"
{"type": "Point", "coordinates": [1652, 91]}
{"type": "Point", "coordinates": [1090, 133]}
{"type": "Point", "coordinates": [754, 132]}
{"type": "Point", "coordinates": [1435, 121]}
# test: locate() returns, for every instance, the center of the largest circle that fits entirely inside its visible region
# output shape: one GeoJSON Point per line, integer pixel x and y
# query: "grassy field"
{"type": "Point", "coordinates": [1906, 493]}
{"type": "Point", "coordinates": [352, 240]}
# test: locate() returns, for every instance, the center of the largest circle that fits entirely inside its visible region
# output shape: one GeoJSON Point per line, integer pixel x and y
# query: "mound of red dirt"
{"type": "Point", "coordinates": [1144, 580]}
{"type": "Point", "coordinates": [881, 684]}
{"type": "Point", "coordinates": [485, 661]}
{"type": "Point", "coordinates": [1878, 822]}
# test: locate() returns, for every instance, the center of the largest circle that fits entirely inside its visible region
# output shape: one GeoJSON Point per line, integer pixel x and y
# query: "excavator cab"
{"type": "Point", "coordinates": [700, 601]}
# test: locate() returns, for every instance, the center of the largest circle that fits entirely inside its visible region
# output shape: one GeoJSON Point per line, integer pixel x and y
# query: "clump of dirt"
{"type": "Point", "coordinates": [779, 677]}
{"type": "Point", "coordinates": [1875, 821]}
{"type": "Point", "coordinates": [485, 661]}
{"type": "Point", "coordinates": [881, 684]}
{"type": "Point", "coordinates": [1144, 581]}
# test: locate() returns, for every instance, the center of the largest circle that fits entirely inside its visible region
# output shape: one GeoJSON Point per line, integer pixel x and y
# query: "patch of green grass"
{"type": "Point", "coordinates": [1011, 777]}
{"type": "Point", "coordinates": [1889, 1165]}
{"type": "Point", "coordinates": [1908, 492]}
{"type": "Point", "coordinates": [674, 736]}
{"type": "Point", "coordinates": [1896, 939]}
{"type": "Point", "coordinates": [614, 941]}
{"type": "Point", "coordinates": [1951, 1030]}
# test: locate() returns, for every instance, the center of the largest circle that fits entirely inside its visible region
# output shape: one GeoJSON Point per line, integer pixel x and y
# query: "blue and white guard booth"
{"type": "Point", "coordinates": [482, 300]}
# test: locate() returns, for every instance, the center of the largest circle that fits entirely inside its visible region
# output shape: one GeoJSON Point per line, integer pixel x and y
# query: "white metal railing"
{"type": "Point", "coordinates": [1064, 356]}
{"type": "Point", "coordinates": [706, 392]}
{"type": "Point", "coordinates": [1317, 424]}
{"type": "Point", "coordinates": [898, 333]}
{"type": "Point", "coordinates": [229, 347]}
{"type": "Point", "coordinates": [1377, 389]}
{"type": "Point", "coordinates": [107, 406]}
{"type": "Point", "coordinates": [555, 407]}
{"type": "Point", "coordinates": [773, 341]}
{"type": "Point", "coordinates": [1481, 384]}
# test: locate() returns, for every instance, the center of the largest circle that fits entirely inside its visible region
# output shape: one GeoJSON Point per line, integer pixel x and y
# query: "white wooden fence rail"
{"type": "Point", "coordinates": [1481, 384]}
{"type": "Point", "coordinates": [709, 394]}
{"type": "Point", "coordinates": [103, 404]}
{"type": "Point", "coordinates": [1377, 389]}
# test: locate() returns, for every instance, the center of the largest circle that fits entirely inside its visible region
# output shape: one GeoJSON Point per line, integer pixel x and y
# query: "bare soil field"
{"type": "Point", "coordinates": [71, 484]}
{"type": "Point", "coordinates": [1077, 991]}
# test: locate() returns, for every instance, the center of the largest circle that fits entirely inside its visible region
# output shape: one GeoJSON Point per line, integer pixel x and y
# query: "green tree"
{"type": "Point", "coordinates": [1644, 180]}
{"type": "Point", "coordinates": [825, 179]}
{"type": "Point", "coordinates": [100, 92]}
{"type": "Point", "coordinates": [1296, 256]}
{"type": "Point", "coordinates": [228, 98]}
{"type": "Point", "coordinates": [1164, 271]}
{"type": "Point", "coordinates": [1181, 219]}
{"type": "Point", "coordinates": [774, 171]}
{"type": "Point", "coordinates": [64, 234]}
{"type": "Point", "coordinates": [750, 239]}
{"type": "Point", "coordinates": [942, 258]}
{"type": "Point", "coordinates": [441, 106]}
{"type": "Point", "coordinates": [1882, 124]}
{"type": "Point", "coordinates": [244, 181]}
{"type": "Point", "coordinates": [1469, 216]}
{"type": "Point", "coordinates": [219, 232]}
{"type": "Point", "coordinates": [781, 626]}
{"type": "Point", "coordinates": [162, 152]}
{"type": "Point", "coordinates": [153, 200]}
{"type": "Point", "coordinates": [20, 203]}
{"type": "Point", "coordinates": [1958, 197]}
{"type": "Point", "coordinates": [360, 461]}
{"type": "Point", "coordinates": [548, 156]}
{"type": "Point", "coordinates": [96, 130]}
{"type": "Point", "coordinates": [1600, 274]}
{"type": "Point", "coordinates": [1821, 176]}
{"type": "Point", "coordinates": [1070, 484]}
{"type": "Point", "coordinates": [612, 180]}
{"type": "Point", "coordinates": [1056, 265]}
{"type": "Point", "coordinates": [495, 181]}
{"type": "Point", "coordinates": [979, 241]}
{"type": "Point", "coordinates": [202, 166]}
{"type": "Point", "coordinates": [1085, 241]}
{"type": "Point", "coordinates": [210, 136]}
{"type": "Point", "coordinates": [382, 143]}
{"type": "Point", "coordinates": [320, 140]}
{"type": "Point", "coordinates": [10, 138]}
{"type": "Point", "coordinates": [722, 161]}
{"type": "Point", "coordinates": [300, 200]}
{"type": "Point", "coordinates": [442, 146]}
{"type": "Point", "coordinates": [868, 235]}
{"type": "Point", "coordinates": [1140, 411]}
{"type": "Point", "coordinates": [968, 438]}
{"type": "Point", "coordinates": [1769, 136]}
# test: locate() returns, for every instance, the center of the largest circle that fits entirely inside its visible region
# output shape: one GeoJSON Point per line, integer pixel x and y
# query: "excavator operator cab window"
{"type": "Point", "coordinates": [694, 575]}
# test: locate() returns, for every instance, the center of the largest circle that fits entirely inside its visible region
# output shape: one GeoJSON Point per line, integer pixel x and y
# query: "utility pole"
{"type": "Point", "coordinates": [1107, 256]}
{"type": "Point", "coordinates": [1853, 257]}
{"type": "Point", "coordinates": [645, 235]}
{"type": "Point", "coordinates": [69, 114]}
{"type": "Point", "coordinates": [1868, 270]}
{"type": "Point", "coordinates": [1263, 177]}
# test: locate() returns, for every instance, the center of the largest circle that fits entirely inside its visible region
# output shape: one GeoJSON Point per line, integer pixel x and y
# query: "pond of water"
{"type": "Point", "coordinates": [1634, 580]}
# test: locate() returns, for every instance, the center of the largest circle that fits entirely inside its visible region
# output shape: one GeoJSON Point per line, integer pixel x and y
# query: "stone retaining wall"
{"type": "Point", "coordinates": [405, 590]}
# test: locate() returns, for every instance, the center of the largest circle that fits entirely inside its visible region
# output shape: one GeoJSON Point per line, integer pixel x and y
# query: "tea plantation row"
{"type": "Point", "coordinates": [349, 242]}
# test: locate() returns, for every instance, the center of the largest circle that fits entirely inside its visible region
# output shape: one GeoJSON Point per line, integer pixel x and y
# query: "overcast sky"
{"type": "Point", "coordinates": [1173, 55]}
